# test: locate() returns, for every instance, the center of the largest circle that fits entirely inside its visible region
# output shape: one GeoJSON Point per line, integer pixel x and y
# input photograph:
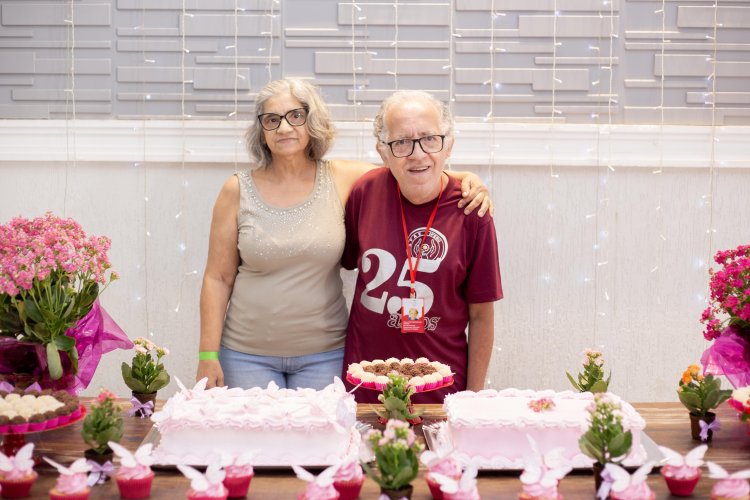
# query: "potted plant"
{"type": "Point", "coordinates": [701, 394]}
{"type": "Point", "coordinates": [146, 374]}
{"type": "Point", "coordinates": [51, 274]}
{"type": "Point", "coordinates": [726, 320]}
{"type": "Point", "coordinates": [396, 453]}
{"type": "Point", "coordinates": [606, 441]}
{"type": "Point", "coordinates": [592, 377]}
{"type": "Point", "coordinates": [103, 423]}
{"type": "Point", "coordinates": [396, 399]}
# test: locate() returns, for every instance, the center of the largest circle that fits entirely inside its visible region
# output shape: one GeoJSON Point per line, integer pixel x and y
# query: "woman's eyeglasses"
{"type": "Point", "coordinates": [272, 121]}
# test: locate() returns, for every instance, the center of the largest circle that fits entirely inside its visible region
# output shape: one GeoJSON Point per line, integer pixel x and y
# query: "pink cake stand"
{"type": "Point", "coordinates": [14, 441]}
{"type": "Point", "coordinates": [413, 421]}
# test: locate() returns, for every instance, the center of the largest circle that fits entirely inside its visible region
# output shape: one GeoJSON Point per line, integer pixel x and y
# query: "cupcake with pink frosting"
{"type": "Point", "coordinates": [682, 473]}
{"type": "Point", "coordinates": [208, 486]}
{"type": "Point", "coordinates": [239, 473]}
{"type": "Point", "coordinates": [72, 482]}
{"type": "Point", "coordinates": [439, 463]}
{"type": "Point", "coordinates": [463, 488]}
{"type": "Point", "coordinates": [624, 486]}
{"type": "Point", "coordinates": [17, 473]}
{"type": "Point", "coordinates": [320, 487]}
{"type": "Point", "coordinates": [348, 480]}
{"type": "Point", "coordinates": [134, 477]}
{"type": "Point", "coordinates": [732, 486]}
{"type": "Point", "coordinates": [542, 473]}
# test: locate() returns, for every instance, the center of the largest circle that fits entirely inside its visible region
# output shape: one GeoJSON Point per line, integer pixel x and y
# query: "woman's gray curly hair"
{"type": "Point", "coordinates": [446, 117]}
{"type": "Point", "coordinates": [319, 124]}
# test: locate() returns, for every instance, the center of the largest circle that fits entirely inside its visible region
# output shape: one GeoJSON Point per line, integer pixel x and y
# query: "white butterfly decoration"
{"type": "Point", "coordinates": [694, 457]}
{"type": "Point", "coordinates": [198, 388]}
{"type": "Point", "coordinates": [467, 482]}
{"type": "Point", "coordinates": [324, 479]}
{"type": "Point", "coordinates": [716, 471]}
{"type": "Point", "coordinates": [431, 458]}
{"type": "Point", "coordinates": [21, 461]}
{"type": "Point", "coordinates": [545, 469]}
{"type": "Point", "coordinates": [142, 456]}
{"type": "Point", "coordinates": [621, 479]}
{"type": "Point", "coordinates": [78, 467]}
{"type": "Point", "coordinates": [201, 482]}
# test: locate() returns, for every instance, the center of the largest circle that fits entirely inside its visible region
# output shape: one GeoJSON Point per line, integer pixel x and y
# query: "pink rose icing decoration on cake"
{"type": "Point", "coordinates": [320, 487]}
{"type": "Point", "coordinates": [680, 467]}
{"type": "Point", "coordinates": [72, 479]}
{"type": "Point", "coordinates": [349, 471]}
{"type": "Point", "coordinates": [133, 465]}
{"type": "Point", "coordinates": [619, 483]}
{"type": "Point", "coordinates": [733, 485]}
{"type": "Point", "coordinates": [209, 484]}
{"type": "Point", "coordinates": [542, 471]}
{"type": "Point", "coordinates": [20, 466]}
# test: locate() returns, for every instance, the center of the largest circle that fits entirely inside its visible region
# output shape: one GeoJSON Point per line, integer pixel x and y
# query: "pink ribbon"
{"type": "Point", "coordinates": [146, 408]}
{"type": "Point", "coordinates": [99, 472]}
{"type": "Point", "coordinates": [713, 426]}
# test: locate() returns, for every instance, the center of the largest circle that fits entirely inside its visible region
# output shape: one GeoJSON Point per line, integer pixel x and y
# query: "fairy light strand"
{"type": "Point", "coordinates": [713, 139]}
{"type": "Point", "coordinates": [70, 131]}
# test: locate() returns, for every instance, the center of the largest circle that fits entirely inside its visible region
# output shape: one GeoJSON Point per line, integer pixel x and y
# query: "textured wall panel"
{"type": "Point", "coordinates": [476, 52]}
{"type": "Point", "coordinates": [413, 14]}
{"type": "Point", "coordinates": [61, 95]}
{"type": "Point", "coordinates": [226, 25]}
{"type": "Point", "coordinates": [48, 14]}
{"type": "Point", "coordinates": [703, 17]}
{"type": "Point", "coordinates": [16, 62]}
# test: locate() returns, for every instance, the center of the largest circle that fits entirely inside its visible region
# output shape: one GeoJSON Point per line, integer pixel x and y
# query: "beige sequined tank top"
{"type": "Point", "coordinates": [287, 298]}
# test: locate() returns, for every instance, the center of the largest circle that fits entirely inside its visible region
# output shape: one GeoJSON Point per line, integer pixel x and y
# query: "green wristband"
{"type": "Point", "coordinates": [208, 355]}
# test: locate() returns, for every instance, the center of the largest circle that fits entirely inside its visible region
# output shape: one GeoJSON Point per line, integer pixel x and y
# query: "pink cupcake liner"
{"type": "Point", "coordinates": [51, 423]}
{"type": "Point", "coordinates": [135, 488]}
{"type": "Point", "coordinates": [434, 486]}
{"type": "Point", "coordinates": [681, 487]}
{"type": "Point", "coordinates": [19, 428]}
{"type": "Point", "coordinates": [37, 426]}
{"type": "Point", "coordinates": [63, 419]}
{"type": "Point", "coordinates": [379, 386]}
{"type": "Point", "coordinates": [349, 490]}
{"type": "Point", "coordinates": [19, 488]}
{"type": "Point", "coordinates": [4, 428]}
{"type": "Point", "coordinates": [237, 486]}
{"type": "Point", "coordinates": [76, 413]}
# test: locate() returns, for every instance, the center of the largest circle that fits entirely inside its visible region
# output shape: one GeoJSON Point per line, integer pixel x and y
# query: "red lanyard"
{"type": "Point", "coordinates": [413, 267]}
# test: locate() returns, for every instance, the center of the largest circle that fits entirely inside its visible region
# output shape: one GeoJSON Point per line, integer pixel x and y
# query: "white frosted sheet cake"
{"type": "Point", "coordinates": [284, 426]}
{"type": "Point", "coordinates": [491, 427]}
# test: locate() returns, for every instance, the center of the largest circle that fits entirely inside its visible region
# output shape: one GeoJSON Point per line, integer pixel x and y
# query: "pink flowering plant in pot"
{"type": "Point", "coordinates": [591, 379]}
{"type": "Point", "coordinates": [726, 320]}
{"type": "Point", "coordinates": [146, 373]}
{"type": "Point", "coordinates": [51, 273]}
{"type": "Point", "coordinates": [396, 453]}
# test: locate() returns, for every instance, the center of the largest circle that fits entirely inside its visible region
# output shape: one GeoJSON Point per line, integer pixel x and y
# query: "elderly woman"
{"type": "Point", "coordinates": [271, 304]}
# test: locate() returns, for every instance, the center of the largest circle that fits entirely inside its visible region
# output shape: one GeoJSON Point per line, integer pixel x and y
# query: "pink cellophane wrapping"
{"type": "Point", "coordinates": [729, 355]}
{"type": "Point", "coordinates": [96, 334]}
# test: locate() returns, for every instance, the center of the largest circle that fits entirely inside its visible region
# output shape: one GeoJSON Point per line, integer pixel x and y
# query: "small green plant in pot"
{"type": "Point", "coordinates": [396, 399]}
{"type": "Point", "coordinates": [701, 394]}
{"type": "Point", "coordinates": [606, 440]}
{"type": "Point", "coordinates": [396, 451]}
{"type": "Point", "coordinates": [591, 379]}
{"type": "Point", "coordinates": [102, 424]}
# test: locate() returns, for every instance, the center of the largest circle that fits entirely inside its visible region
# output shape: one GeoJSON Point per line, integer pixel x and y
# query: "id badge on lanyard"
{"type": "Point", "coordinates": [412, 309]}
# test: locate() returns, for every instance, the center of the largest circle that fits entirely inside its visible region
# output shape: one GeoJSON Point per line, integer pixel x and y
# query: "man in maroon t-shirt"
{"type": "Point", "coordinates": [448, 278]}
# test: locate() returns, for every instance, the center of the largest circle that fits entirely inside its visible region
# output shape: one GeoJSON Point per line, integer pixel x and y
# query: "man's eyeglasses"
{"type": "Point", "coordinates": [272, 121]}
{"type": "Point", "coordinates": [401, 148]}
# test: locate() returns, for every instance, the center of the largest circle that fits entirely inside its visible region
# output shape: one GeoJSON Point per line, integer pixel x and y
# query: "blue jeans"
{"type": "Point", "coordinates": [315, 371]}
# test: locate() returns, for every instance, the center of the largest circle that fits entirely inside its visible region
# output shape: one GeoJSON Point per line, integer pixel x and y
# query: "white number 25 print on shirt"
{"type": "Point", "coordinates": [436, 248]}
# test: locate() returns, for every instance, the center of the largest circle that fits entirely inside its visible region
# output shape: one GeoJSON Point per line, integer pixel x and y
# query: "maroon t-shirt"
{"type": "Point", "coordinates": [460, 268]}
